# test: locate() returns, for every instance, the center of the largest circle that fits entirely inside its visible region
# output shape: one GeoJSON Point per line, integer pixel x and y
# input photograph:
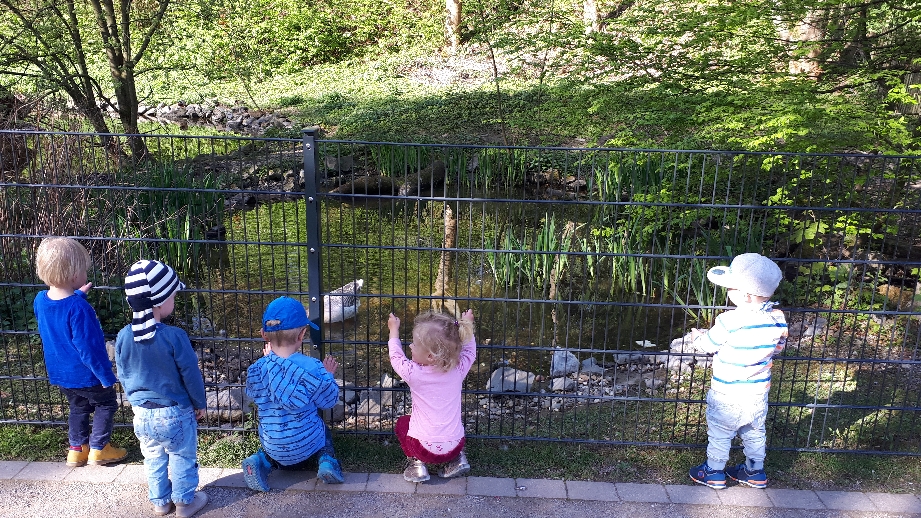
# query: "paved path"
{"type": "Point", "coordinates": [52, 489]}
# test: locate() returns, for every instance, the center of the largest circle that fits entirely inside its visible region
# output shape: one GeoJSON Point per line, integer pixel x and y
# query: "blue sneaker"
{"type": "Point", "coordinates": [756, 478]}
{"type": "Point", "coordinates": [329, 470]}
{"type": "Point", "coordinates": [256, 469]}
{"type": "Point", "coordinates": [709, 477]}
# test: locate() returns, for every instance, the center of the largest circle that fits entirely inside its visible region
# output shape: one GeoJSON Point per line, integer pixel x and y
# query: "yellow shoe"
{"type": "Point", "coordinates": [107, 455]}
{"type": "Point", "coordinates": [75, 458]}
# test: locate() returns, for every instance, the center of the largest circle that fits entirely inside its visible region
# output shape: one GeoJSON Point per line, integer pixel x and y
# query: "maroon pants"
{"type": "Point", "coordinates": [412, 447]}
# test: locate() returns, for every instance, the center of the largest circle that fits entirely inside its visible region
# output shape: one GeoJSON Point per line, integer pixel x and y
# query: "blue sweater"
{"type": "Point", "coordinates": [287, 393]}
{"type": "Point", "coordinates": [72, 341]}
{"type": "Point", "coordinates": [161, 370]}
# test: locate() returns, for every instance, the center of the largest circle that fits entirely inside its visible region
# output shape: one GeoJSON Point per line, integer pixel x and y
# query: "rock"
{"type": "Point", "coordinates": [590, 366]}
{"type": "Point", "coordinates": [339, 164]}
{"type": "Point", "coordinates": [228, 403]}
{"type": "Point", "coordinates": [562, 384]}
{"type": "Point", "coordinates": [509, 379]}
{"type": "Point", "coordinates": [816, 327]}
{"type": "Point", "coordinates": [387, 385]}
{"type": "Point", "coordinates": [796, 329]}
{"type": "Point", "coordinates": [674, 363]}
{"type": "Point", "coordinates": [110, 349]}
{"type": "Point", "coordinates": [337, 413]}
{"type": "Point", "coordinates": [682, 344]}
{"type": "Point", "coordinates": [370, 406]}
{"type": "Point", "coordinates": [653, 383]}
{"type": "Point", "coordinates": [202, 326]}
{"type": "Point", "coordinates": [659, 358]}
{"type": "Point", "coordinates": [625, 358]}
{"type": "Point", "coordinates": [563, 363]}
{"type": "Point", "coordinates": [240, 201]}
{"type": "Point", "coordinates": [346, 394]}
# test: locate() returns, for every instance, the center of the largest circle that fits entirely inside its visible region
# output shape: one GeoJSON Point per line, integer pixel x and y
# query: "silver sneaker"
{"type": "Point", "coordinates": [456, 467]}
{"type": "Point", "coordinates": [415, 471]}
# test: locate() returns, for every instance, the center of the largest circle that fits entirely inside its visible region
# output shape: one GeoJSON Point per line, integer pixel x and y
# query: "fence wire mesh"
{"type": "Point", "coordinates": [585, 268]}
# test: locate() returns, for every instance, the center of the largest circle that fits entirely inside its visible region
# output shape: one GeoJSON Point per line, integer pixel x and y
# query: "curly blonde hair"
{"type": "Point", "coordinates": [443, 336]}
{"type": "Point", "coordinates": [59, 260]}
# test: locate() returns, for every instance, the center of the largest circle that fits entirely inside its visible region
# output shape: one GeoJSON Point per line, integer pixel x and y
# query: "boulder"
{"type": "Point", "coordinates": [228, 403]}
{"type": "Point", "coordinates": [509, 379]}
{"type": "Point", "coordinates": [563, 363]}
{"type": "Point", "coordinates": [563, 384]}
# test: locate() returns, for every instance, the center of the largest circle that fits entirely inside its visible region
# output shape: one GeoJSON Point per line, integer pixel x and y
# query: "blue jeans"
{"type": "Point", "coordinates": [731, 415]}
{"type": "Point", "coordinates": [97, 400]}
{"type": "Point", "coordinates": [169, 442]}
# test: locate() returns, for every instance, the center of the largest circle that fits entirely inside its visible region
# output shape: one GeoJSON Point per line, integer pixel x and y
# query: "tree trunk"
{"type": "Point", "coordinates": [443, 279]}
{"type": "Point", "coordinates": [807, 30]}
{"type": "Point", "coordinates": [590, 16]}
{"type": "Point", "coordinates": [452, 24]}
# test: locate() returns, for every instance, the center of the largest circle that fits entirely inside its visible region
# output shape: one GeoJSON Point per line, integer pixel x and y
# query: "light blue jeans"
{"type": "Point", "coordinates": [728, 415]}
{"type": "Point", "coordinates": [169, 442]}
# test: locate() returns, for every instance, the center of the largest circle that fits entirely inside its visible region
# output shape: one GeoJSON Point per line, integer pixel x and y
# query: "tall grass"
{"type": "Point", "coordinates": [513, 263]}
{"type": "Point", "coordinates": [174, 209]}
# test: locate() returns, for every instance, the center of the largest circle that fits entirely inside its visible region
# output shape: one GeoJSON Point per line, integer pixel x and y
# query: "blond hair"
{"type": "Point", "coordinates": [443, 336]}
{"type": "Point", "coordinates": [59, 260]}
{"type": "Point", "coordinates": [284, 336]}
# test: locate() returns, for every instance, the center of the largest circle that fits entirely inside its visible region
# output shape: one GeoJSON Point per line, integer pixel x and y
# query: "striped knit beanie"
{"type": "Point", "coordinates": [148, 284]}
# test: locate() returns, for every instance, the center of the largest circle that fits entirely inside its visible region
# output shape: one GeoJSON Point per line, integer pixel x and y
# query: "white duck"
{"type": "Point", "coordinates": [342, 303]}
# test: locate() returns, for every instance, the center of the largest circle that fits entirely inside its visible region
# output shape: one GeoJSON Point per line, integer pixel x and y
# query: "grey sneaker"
{"type": "Point", "coordinates": [187, 510]}
{"type": "Point", "coordinates": [163, 510]}
{"type": "Point", "coordinates": [456, 467]}
{"type": "Point", "coordinates": [415, 471]}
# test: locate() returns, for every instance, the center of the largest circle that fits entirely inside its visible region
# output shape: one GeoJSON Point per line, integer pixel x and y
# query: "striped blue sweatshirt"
{"type": "Point", "coordinates": [744, 341]}
{"type": "Point", "coordinates": [287, 393]}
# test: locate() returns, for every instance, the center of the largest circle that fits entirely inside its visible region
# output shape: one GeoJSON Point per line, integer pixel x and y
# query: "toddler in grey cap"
{"type": "Point", "coordinates": [743, 342]}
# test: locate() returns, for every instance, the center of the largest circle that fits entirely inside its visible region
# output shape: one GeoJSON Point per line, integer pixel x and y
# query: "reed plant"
{"type": "Point", "coordinates": [539, 260]}
{"type": "Point", "coordinates": [169, 218]}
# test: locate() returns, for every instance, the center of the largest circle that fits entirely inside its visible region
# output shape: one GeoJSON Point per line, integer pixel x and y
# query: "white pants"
{"type": "Point", "coordinates": [730, 415]}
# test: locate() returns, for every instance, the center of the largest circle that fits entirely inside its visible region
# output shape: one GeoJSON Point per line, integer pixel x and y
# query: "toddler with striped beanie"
{"type": "Point", "coordinates": [159, 373]}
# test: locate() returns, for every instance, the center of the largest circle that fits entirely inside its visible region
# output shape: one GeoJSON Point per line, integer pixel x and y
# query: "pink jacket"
{"type": "Point", "coordinates": [436, 394]}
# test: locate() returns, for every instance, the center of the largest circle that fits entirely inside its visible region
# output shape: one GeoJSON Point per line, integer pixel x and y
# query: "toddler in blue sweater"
{"type": "Point", "coordinates": [75, 350]}
{"type": "Point", "coordinates": [289, 388]}
{"type": "Point", "coordinates": [159, 372]}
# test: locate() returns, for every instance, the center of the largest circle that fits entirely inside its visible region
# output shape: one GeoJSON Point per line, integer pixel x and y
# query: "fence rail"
{"type": "Point", "coordinates": [585, 269]}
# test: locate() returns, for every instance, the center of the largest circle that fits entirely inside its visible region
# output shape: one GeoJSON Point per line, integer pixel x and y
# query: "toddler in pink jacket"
{"type": "Point", "coordinates": [443, 349]}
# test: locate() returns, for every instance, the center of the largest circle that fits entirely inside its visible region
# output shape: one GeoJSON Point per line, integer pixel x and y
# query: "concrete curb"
{"type": "Point", "coordinates": [734, 496]}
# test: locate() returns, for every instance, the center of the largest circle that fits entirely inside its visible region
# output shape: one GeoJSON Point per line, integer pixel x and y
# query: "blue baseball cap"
{"type": "Point", "coordinates": [285, 313]}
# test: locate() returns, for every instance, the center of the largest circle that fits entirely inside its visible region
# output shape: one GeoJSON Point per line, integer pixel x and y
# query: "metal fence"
{"type": "Point", "coordinates": [585, 269]}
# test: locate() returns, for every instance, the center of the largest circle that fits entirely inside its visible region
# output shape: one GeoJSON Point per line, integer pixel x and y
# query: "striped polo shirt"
{"type": "Point", "coordinates": [743, 342]}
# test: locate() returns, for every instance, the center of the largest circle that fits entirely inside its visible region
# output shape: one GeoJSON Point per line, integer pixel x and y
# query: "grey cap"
{"type": "Point", "coordinates": [750, 273]}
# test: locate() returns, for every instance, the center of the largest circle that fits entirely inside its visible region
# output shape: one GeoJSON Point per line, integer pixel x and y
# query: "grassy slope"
{"type": "Point", "coordinates": [423, 96]}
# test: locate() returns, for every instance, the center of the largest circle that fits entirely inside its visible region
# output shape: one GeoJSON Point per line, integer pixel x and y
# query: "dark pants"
{"type": "Point", "coordinates": [413, 448]}
{"type": "Point", "coordinates": [99, 401]}
{"type": "Point", "coordinates": [311, 462]}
